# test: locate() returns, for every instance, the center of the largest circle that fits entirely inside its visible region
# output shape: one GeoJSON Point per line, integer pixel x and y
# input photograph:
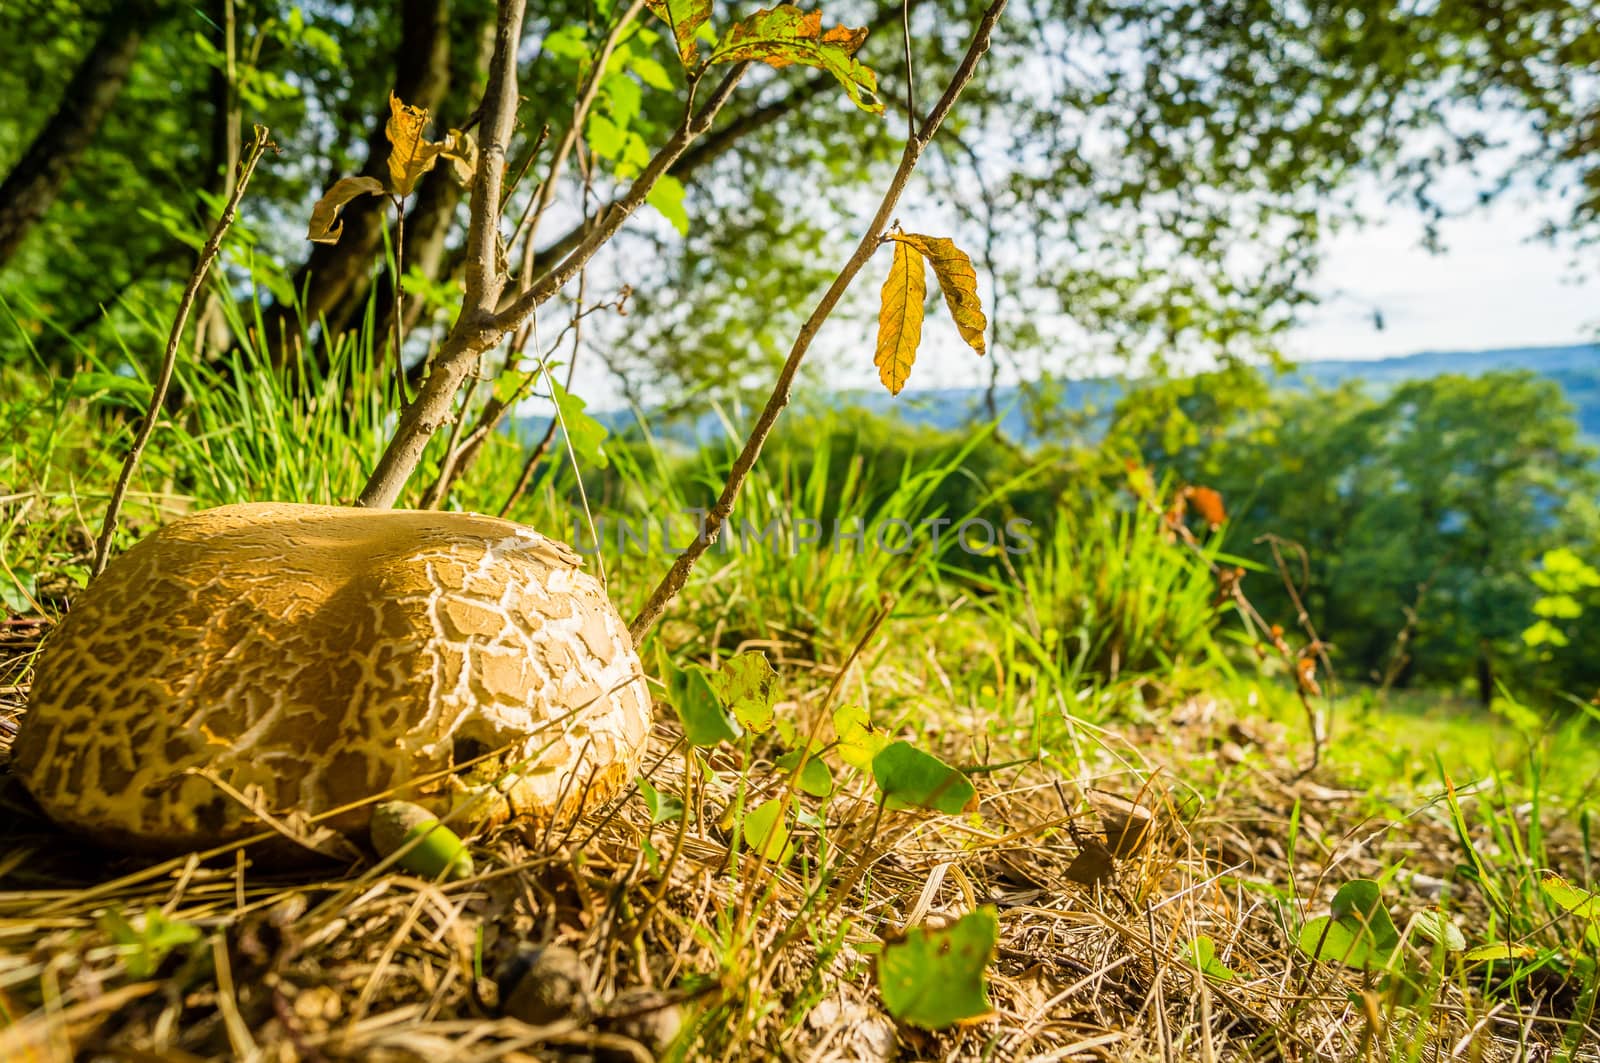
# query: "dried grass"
{"type": "Point", "coordinates": [759, 961]}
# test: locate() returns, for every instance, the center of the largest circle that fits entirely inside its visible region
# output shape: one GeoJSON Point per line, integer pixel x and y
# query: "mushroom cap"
{"type": "Point", "coordinates": [307, 658]}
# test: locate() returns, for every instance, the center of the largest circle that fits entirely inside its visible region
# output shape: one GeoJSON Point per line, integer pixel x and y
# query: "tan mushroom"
{"type": "Point", "coordinates": [294, 659]}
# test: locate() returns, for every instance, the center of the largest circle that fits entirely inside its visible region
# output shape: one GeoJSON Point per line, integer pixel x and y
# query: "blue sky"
{"type": "Point", "coordinates": [1491, 287]}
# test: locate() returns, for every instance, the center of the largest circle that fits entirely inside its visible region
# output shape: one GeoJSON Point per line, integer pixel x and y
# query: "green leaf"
{"type": "Point", "coordinates": [1499, 950]}
{"type": "Point", "coordinates": [1542, 633]}
{"type": "Point", "coordinates": [747, 687]}
{"type": "Point", "coordinates": [1202, 952]}
{"type": "Point", "coordinates": [1359, 933]}
{"type": "Point", "coordinates": [858, 742]}
{"type": "Point", "coordinates": [935, 978]}
{"type": "Point", "coordinates": [910, 778]}
{"type": "Point", "coordinates": [1437, 928]}
{"type": "Point", "coordinates": [623, 98]}
{"type": "Point", "coordinates": [667, 195]}
{"type": "Point", "coordinates": [684, 17]}
{"type": "Point", "coordinates": [568, 42]}
{"type": "Point", "coordinates": [1569, 898]}
{"type": "Point", "coordinates": [784, 35]}
{"type": "Point", "coordinates": [584, 432]}
{"type": "Point", "coordinates": [765, 833]}
{"type": "Point", "coordinates": [705, 723]}
{"type": "Point", "coordinates": [815, 778]}
{"type": "Point", "coordinates": [606, 138]}
{"type": "Point", "coordinates": [664, 808]}
{"type": "Point", "coordinates": [143, 948]}
{"type": "Point", "coordinates": [651, 73]}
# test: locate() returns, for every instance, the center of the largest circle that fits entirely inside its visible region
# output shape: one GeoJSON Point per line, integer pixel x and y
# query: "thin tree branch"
{"type": "Point", "coordinates": [612, 218]}
{"type": "Point", "coordinates": [472, 332]}
{"type": "Point", "coordinates": [208, 254]}
{"type": "Point", "coordinates": [580, 112]}
{"type": "Point", "coordinates": [678, 574]}
{"type": "Point", "coordinates": [479, 328]}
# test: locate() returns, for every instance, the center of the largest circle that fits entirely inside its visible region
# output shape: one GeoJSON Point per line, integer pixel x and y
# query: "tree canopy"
{"type": "Point", "coordinates": [1146, 179]}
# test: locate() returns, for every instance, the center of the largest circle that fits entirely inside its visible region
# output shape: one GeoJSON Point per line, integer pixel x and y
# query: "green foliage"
{"type": "Point", "coordinates": [747, 687]}
{"type": "Point", "coordinates": [1437, 498]}
{"type": "Point", "coordinates": [765, 832]}
{"type": "Point", "coordinates": [145, 947]}
{"type": "Point", "coordinates": [934, 978]}
{"type": "Point", "coordinates": [1358, 934]}
{"type": "Point", "coordinates": [706, 721]}
{"type": "Point", "coordinates": [859, 744]}
{"type": "Point", "coordinates": [664, 808]}
{"type": "Point", "coordinates": [1202, 952]}
{"type": "Point", "coordinates": [585, 434]}
{"type": "Point", "coordinates": [910, 778]}
{"type": "Point", "coordinates": [815, 777]}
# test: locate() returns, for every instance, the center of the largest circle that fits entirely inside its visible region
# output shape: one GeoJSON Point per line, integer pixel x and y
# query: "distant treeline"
{"type": "Point", "coordinates": [1414, 521]}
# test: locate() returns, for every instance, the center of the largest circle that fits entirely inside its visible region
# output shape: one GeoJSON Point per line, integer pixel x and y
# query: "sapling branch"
{"type": "Point", "coordinates": [479, 327]}
{"type": "Point", "coordinates": [717, 516]}
{"type": "Point", "coordinates": [169, 359]}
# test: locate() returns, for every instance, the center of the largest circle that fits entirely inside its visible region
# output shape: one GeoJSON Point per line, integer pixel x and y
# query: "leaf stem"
{"type": "Point", "coordinates": [678, 574]}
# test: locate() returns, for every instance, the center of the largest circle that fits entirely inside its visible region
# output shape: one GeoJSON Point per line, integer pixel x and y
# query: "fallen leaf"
{"type": "Point", "coordinates": [1127, 825]}
{"type": "Point", "coordinates": [1093, 865]}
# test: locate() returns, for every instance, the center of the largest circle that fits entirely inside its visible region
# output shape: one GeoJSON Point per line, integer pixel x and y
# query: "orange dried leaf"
{"type": "Point", "coordinates": [900, 317]}
{"type": "Point", "coordinates": [1208, 503]}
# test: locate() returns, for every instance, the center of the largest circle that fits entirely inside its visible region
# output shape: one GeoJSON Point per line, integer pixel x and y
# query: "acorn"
{"type": "Point", "coordinates": [440, 854]}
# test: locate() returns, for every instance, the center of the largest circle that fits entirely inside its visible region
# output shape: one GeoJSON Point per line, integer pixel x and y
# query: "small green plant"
{"type": "Point", "coordinates": [934, 977]}
{"type": "Point", "coordinates": [145, 946]}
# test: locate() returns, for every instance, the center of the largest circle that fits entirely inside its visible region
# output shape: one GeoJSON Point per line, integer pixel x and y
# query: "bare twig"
{"type": "Point", "coordinates": [169, 360]}
{"type": "Point", "coordinates": [479, 327]}
{"type": "Point", "coordinates": [538, 452]}
{"type": "Point", "coordinates": [546, 194]}
{"type": "Point", "coordinates": [678, 574]}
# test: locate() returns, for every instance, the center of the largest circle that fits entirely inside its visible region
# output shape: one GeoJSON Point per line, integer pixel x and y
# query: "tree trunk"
{"type": "Point", "coordinates": [422, 76]}
{"type": "Point", "coordinates": [37, 179]}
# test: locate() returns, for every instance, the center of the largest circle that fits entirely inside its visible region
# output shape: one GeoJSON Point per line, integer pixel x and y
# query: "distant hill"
{"type": "Point", "coordinates": [1576, 368]}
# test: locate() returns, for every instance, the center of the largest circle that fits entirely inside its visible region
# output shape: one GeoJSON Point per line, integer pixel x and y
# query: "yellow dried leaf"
{"type": "Point", "coordinates": [900, 316]}
{"type": "Point", "coordinates": [410, 154]}
{"type": "Point", "coordinates": [326, 226]}
{"type": "Point", "coordinates": [958, 281]}
{"type": "Point", "coordinates": [462, 151]}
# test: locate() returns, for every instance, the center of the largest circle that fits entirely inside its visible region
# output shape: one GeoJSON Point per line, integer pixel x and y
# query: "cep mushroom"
{"type": "Point", "coordinates": [303, 659]}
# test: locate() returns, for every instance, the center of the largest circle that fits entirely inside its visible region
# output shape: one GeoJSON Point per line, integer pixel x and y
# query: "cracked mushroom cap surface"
{"type": "Point", "coordinates": [293, 659]}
